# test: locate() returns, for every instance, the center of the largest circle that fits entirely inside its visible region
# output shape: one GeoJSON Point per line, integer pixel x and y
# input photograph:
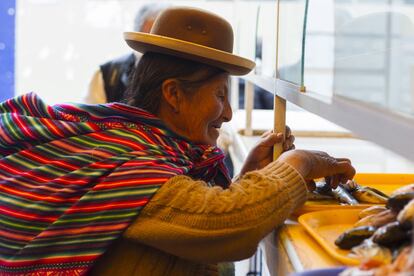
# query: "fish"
{"type": "Point", "coordinates": [398, 201]}
{"type": "Point", "coordinates": [369, 195]}
{"type": "Point", "coordinates": [354, 236]}
{"type": "Point", "coordinates": [406, 215]}
{"type": "Point", "coordinates": [377, 220]}
{"type": "Point", "coordinates": [391, 235]}
{"type": "Point", "coordinates": [316, 196]}
{"type": "Point", "coordinates": [350, 193]}
{"type": "Point", "coordinates": [404, 189]}
{"type": "Point", "coordinates": [371, 211]}
{"type": "Point", "coordinates": [342, 195]}
{"type": "Point", "coordinates": [365, 194]}
{"type": "Point", "coordinates": [339, 193]}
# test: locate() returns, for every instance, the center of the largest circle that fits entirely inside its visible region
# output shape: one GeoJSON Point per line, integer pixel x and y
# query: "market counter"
{"type": "Point", "coordinates": [290, 248]}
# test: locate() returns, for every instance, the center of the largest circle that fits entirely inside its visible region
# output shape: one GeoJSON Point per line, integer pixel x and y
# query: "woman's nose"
{"type": "Point", "coordinates": [227, 112]}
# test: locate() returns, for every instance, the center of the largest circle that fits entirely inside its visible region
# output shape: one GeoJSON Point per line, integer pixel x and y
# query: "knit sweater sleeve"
{"type": "Point", "coordinates": [191, 220]}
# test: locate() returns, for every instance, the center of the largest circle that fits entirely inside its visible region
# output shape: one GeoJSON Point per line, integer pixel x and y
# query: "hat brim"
{"type": "Point", "coordinates": [145, 42]}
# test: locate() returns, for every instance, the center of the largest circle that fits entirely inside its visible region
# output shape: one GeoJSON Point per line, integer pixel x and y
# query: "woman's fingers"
{"type": "Point", "coordinates": [334, 181]}
{"type": "Point", "coordinates": [317, 164]}
{"type": "Point", "coordinates": [271, 139]}
{"type": "Point", "coordinates": [347, 171]}
{"type": "Point", "coordinates": [335, 170]}
{"type": "Point", "coordinates": [341, 172]}
{"type": "Point", "coordinates": [343, 159]}
{"type": "Point", "coordinates": [289, 143]}
{"type": "Point", "coordinates": [266, 133]}
{"type": "Point", "coordinates": [288, 132]}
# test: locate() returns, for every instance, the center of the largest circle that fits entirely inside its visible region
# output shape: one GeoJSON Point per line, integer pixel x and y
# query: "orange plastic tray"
{"type": "Point", "coordinates": [326, 226]}
{"type": "Point", "coordinates": [386, 183]}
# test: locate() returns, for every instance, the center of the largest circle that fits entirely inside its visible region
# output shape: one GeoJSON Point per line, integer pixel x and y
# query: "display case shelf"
{"type": "Point", "coordinates": [264, 82]}
{"type": "Point", "coordinates": [389, 129]}
{"type": "Point", "coordinates": [380, 125]}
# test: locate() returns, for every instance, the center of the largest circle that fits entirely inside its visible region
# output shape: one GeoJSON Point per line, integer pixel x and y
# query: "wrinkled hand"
{"type": "Point", "coordinates": [317, 164]}
{"type": "Point", "coordinates": [262, 154]}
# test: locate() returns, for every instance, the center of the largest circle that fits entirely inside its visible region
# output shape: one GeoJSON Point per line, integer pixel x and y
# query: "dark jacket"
{"type": "Point", "coordinates": [116, 75]}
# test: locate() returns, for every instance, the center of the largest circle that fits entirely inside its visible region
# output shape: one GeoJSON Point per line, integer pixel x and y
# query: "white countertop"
{"type": "Point", "coordinates": [365, 156]}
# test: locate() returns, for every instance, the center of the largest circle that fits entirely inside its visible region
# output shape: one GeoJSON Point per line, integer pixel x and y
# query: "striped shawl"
{"type": "Point", "coordinates": [73, 177]}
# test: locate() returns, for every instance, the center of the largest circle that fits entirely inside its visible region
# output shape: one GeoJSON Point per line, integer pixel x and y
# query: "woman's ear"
{"type": "Point", "coordinates": [171, 93]}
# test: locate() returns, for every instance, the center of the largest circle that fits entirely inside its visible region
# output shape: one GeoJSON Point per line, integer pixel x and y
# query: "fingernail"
{"type": "Point", "coordinates": [279, 135]}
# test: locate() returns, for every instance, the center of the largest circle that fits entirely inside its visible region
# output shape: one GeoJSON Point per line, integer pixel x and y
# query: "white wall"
{"type": "Point", "coordinates": [60, 43]}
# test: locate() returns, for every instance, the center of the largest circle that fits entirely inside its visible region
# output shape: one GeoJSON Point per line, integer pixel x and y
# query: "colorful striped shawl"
{"type": "Point", "coordinates": [73, 177]}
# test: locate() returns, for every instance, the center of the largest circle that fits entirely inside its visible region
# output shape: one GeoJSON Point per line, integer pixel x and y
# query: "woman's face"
{"type": "Point", "coordinates": [203, 111]}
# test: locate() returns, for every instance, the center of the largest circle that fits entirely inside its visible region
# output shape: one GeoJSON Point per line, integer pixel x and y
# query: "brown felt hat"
{"type": "Point", "coordinates": [192, 34]}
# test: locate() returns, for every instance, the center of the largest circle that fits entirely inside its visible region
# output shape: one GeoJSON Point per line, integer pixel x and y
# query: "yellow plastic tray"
{"type": "Point", "coordinates": [386, 183]}
{"type": "Point", "coordinates": [326, 226]}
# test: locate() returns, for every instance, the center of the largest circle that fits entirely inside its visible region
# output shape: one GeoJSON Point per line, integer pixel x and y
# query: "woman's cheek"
{"type": "Point", "coordinates": [219, 109]}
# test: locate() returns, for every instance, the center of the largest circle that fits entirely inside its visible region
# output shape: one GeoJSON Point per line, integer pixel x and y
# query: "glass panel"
{"type": "Point", "coordinates": [374, 59]}
{"type": "Point", "coordinates": [319, 46]}
{"type": "Point", "coordinates": [291, 18]}
{"type": "Point", "coordinates": [266, 39]}
{"type": "Point", "coordinates": [246, 19]}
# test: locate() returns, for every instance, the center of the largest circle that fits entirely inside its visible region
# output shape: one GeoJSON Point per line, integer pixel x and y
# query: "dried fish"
{"type": "Point", "coordinates": [317, 196]}
{"type": "Point", "coordinates": [350, 193]}
{"type": "Point", "coordinates": [377, 220]}
{"type": "Point", "coordinates": [339, 193]}
{"type": "Point", "coordinates": [342, 195]}
{"type": "Point", "coordinates": [404, 189]}
{"type": "Point", "coordinates": [391, 235]}
{"type": "Point", "coordinates": [323, 188]}
{"type": "Point", "coordinates": [354, 236]}
{"type": "Point", "coordinates": [365, 194]}
{"type": "Point", "coordinates": [405, 216]}
{"type": "Point", "coordinates": [371, 211]}
{"type": "Point", "coordinates": [398, 201]}
{"type": "Point", "coordinates": [368, 195]}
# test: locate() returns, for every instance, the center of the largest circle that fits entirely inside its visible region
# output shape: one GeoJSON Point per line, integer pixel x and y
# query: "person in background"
{"type": "Point", "coordinates": [261, 98]}
{"type": "Point", "coordinates": [139, 187]}
{"type": "Point", "coordinates": [109, 83]}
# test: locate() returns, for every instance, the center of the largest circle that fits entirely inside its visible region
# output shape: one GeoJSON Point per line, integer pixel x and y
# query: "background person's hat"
{"type": "Point", "coordinates": [192, 34]}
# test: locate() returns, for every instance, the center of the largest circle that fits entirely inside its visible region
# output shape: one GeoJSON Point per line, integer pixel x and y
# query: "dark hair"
{"type": "Point", "coordinates": [144, 91]}
{"type": "Point", "coordinates": [146, 12]}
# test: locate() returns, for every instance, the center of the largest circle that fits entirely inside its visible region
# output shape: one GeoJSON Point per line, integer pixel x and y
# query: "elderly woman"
{"type": "Point", "coordinates": [139, 188]}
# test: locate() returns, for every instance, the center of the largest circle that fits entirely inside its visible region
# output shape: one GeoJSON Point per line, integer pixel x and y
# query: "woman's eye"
{"type": "Point", "coordinates": [221, 95]}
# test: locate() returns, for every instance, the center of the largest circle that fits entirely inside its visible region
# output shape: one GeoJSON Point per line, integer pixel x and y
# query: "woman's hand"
{"type": "Point", "coordinates": [262, 154]}
{"type": "Point", "coordinates": [316, 164]}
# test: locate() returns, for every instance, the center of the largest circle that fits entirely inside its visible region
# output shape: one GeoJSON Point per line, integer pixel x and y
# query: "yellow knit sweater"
{"type": "Point", "coordinates": [188, 227]}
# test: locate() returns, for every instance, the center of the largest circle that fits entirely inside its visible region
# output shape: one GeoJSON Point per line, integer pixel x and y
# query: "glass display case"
{"type": "Point", "coordinates": [374, 59]}
{"type": "Point", "coordinates": [353, 60]}
{"type": "Point", "coordinates": [265, 43]}
{"type": "Point", "coordinates": [290, 40]}
{"type": "Point", "coordinates": [318, 52]}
